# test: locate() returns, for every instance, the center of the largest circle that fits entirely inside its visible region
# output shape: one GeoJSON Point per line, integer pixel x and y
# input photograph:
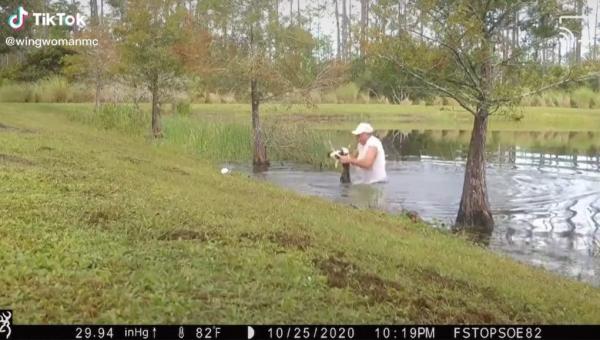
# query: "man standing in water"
{"type": "Point", "coordinates": [370, 162]}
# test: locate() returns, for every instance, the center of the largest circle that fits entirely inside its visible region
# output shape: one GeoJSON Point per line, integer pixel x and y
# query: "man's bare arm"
{"type": "Point", "coordinates": [366, 162]}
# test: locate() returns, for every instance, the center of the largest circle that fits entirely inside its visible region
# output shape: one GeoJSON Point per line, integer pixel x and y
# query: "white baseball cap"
{"type": "Point", "coordinates": [363, 128]}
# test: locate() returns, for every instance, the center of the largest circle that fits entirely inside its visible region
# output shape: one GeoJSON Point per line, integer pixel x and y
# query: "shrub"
{"type": "Point", "coordinates": [80, 93]}
{"type": "Point", "coordinates": [438, 101]}
{"type": "Point", "coordinates": [116, 92]}
{"type": "Point", "coordinates": [382, 100]}
{"type": "Point", "coordinates": [556, 98]}
{"type": "Point", "coordinates": [228, 98]}
{"type": "Point", "coordinates": [548, 99]}
{"type": "Point", "coordinates": [516, 116]}
{"type": "Point", "coordinates": [363, 98]}
{"type": "Point", "coordinates": [221, 141]}
{"type": "Point", "coordinates": [538, 101]}
{"type": "Point", "coordinates": [329, 98]}
{"type": "Point", "coordinates": [125, 118]}
{"type": "Point", "coordinates": [347, 93]}
{"type": "Point", "coordinates": [407, 101]}
{"type": "Point", "coordinates": [583, 98]}
{"type": "Point", "coordinates": [563, 100]}
{"type": "Point", "coordinates": [533, 100]}
{"type": "Point", "coordinates": [525, 101]}
{"type": "Point", "coordinates": [17, 93]}
{"type": "Point", "coordinates": [53, 90]}
{"type": "Point", "coordinates": [213, 98]}
{"type": "Point", "coordinates": [296, 142]}
{"type": "Point", "coordinates": [448, 101]}
{"type": "Point", "coordinates": [182, 106]}
{"type": "Point", "coordinates": [314, 97]}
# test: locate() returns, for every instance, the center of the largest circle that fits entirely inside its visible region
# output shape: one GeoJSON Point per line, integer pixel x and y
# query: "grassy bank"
{"type": "Point", "coordinates": [101, 227]}
{"type": "Point", "coordinates": [421, 117]}
{"type": "Point", "coordinates": [214, 139]}
{"type": "Point", "coordinates": [222, 133]}
{"type": "Point", "coordinates": [383, 117]}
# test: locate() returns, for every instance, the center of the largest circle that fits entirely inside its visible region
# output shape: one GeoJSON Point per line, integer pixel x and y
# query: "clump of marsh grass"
{"type": "Point", "coordinates": [16, 93]}
{"type": "Point", "coordinates": [121, 117]}
{"type": "Point", "coordinates": [53, 90]}
{"type": "Point", "coordinates": [583, 98]}
{"type": "Point", "coordinates": [298, 142]}
{"type": "Point", "coordinates": [347, 93]}
{"type": "Point", "coordinates": [221, 141]}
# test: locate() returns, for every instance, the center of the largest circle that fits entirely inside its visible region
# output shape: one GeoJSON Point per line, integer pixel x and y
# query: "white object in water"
{"type": "Point", "coordinates": [225, 171]}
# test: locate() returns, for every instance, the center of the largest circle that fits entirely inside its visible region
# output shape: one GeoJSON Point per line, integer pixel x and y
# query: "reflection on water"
{"type": "Point", "coordinates": [544, 191]}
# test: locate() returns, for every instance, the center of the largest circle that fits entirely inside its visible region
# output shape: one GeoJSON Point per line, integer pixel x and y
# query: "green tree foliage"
{"type": "Point", "coordinates": [273, 58]}
{"type": "Point", "coordinates": [95, 64]}
{"type": "Point", "coordinates": [35, 63]}
{"type": "Point", "coordinates": [459, 56]}
{"type": "Point", "coordinates": [148, 37]}
{"type": "Point", "coordinates": [41, 63]}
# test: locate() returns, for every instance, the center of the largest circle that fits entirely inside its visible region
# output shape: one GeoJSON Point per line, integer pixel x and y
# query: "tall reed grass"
{"type": "Point", "coordinates": [298, 142]}
{"type": "Point", "coordinates": [219, 140]}
{"type": "Point", "coordinates": [54, 89]}
{"type": "Point", "coordinates": [57, 89]}
{"type": "Point", "coordinates": [124, 118]}
{"type": "Point", "coordinates": [347, 93]}
{"type": "Point", "coordinates": [582, 98]}
{"type": "Point", "coordinates": [232, 141]}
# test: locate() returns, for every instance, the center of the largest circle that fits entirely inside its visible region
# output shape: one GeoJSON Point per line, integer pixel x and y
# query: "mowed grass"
{"type": "Point", "coordinates": [407, 117]}
{"type": "Point", "coordinates": [100, 227]}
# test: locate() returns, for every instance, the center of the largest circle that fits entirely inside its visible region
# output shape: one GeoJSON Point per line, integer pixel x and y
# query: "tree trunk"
{"type": "Point", "coordinates": [97, 99]}
{"type": "Point", "coordinates": [156, 126]}
{"type": "Point", "coordinates": [349, 29]}
{"type": "Point", "coordinates": [46, 27]}
{"type": "Point", "coordinates": [515, 31]}
{"type": "Point", "coordinates": [74, 5]}
{"type": "Point", "coordinates": [474, 211]}
{"type": "Point", "coordinates": [559, 53]}
{"type": "Point", "coordinates": [401, 19]}
{"type": "Point", "coordinates": [579, 31]}
{"type": "Point", "coordinates": [260, 150]}
{"type": "Point", "coordinates": [337, 25]}
{"type": "Point", "coordinates": [94, 11]}
{"type": "Point", "coordinates": [363, 26]}
{"type": "Point", "coordinates": [421, 24]}
{"type": "Point", "coordinates": [344, 30]}
{"type": "Point", "coordinates": [595, 50]}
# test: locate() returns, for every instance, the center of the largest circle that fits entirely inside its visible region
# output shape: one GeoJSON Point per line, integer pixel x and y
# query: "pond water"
{"type": "Point", "coordinates": [544, 189]}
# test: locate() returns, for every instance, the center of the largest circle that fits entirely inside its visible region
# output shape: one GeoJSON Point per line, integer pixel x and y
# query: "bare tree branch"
{"type": "Point", "coordinates": [457, 53]}
{"type": "Point", "coordinates": [460, 100]}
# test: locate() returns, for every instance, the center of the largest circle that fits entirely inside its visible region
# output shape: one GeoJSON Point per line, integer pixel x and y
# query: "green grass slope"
{"type": "Point", "coordinates": [99, 227]}
{"type": "Point", "coordinates": [346, 116]}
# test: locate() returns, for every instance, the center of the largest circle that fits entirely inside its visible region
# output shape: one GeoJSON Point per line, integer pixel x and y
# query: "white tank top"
{"type": "Point", "coordinates": [377, 172]}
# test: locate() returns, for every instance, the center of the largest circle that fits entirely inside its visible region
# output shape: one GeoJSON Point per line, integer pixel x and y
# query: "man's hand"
{"type": "Point", "coordinates": [345, 159]}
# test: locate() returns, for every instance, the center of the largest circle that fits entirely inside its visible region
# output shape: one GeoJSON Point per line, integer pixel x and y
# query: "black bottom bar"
{"type": "Point", "coordinates": [281, 332]}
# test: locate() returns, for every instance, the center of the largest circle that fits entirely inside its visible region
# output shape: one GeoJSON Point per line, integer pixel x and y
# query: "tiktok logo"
{"type": "Point", "coordinates": [17, 20]}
